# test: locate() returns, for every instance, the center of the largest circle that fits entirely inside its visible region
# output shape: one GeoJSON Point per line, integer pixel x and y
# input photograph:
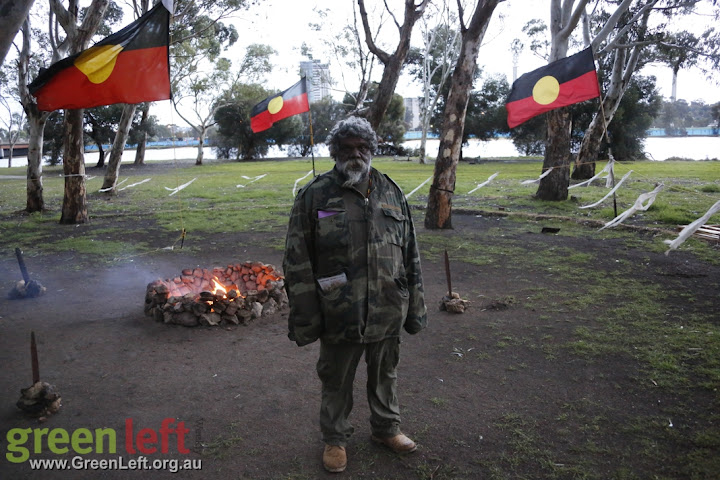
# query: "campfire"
{"type": "Point", "coordinates": [232, 296]}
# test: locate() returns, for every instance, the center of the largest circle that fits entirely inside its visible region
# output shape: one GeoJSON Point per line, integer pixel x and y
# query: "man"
{"type": "Point", "coordinates": [352, 272]}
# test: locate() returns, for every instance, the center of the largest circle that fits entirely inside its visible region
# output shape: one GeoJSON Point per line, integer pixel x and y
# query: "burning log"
{"type": "Point", "coordinates": [234, 295]}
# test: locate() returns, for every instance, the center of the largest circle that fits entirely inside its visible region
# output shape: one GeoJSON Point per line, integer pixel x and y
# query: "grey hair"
{"type": "Point", "coordinates": [356, 127]}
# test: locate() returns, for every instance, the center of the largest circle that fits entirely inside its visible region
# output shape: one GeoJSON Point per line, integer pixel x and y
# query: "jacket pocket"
{"type": "Point", "coordinates": [336, 307]}
{"type": "Point", "coordinates": [331, 230]}
{"type": "Point", "coordinates": [391, 263]}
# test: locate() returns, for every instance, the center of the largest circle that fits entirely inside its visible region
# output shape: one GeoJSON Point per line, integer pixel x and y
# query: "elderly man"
{"type": "Point", "coordinates": [352, 271]}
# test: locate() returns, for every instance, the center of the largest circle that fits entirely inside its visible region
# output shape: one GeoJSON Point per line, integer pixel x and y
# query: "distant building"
{"type": "Point", "coordinates": [318, 77]}
{"type": "Point", "coordinates": [412, 113]}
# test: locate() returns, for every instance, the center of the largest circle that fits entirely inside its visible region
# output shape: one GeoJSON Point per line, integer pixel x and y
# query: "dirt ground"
{"type": "Point", "coordinates": [478, 390]}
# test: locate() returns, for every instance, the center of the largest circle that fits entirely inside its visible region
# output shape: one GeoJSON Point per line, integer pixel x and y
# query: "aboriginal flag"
{"type": "Point", "coordinates": [567, 81]}
{"type": "Point", "coordinates": [130, 66]}
{"type": "Point", "coordinates": [292, 101]}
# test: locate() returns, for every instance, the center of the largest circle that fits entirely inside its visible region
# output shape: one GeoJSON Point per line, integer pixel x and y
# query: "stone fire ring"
{"type": "Point", "coordinates": [233, 295]}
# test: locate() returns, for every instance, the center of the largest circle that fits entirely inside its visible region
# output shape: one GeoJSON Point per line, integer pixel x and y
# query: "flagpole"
{"type": "Point", "coordinates": [312, 140]}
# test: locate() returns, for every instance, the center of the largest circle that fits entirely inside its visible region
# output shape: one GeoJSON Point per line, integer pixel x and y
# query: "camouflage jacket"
{"type": "Point", "coordinates": [351, 264]}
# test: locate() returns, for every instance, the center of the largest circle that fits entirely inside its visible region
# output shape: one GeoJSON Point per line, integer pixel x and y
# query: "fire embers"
{"type": "Point", "coordinates": [233, 295]}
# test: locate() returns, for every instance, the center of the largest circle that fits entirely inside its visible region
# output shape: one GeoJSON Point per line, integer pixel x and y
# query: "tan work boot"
{"type": "Point", "coordinates": [334, 458]}
{"type": "Point", "coordinates": [398, 444]}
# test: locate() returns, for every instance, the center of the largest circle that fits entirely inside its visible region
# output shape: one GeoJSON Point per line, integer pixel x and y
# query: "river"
{"type": "Point", "coordinates": [657, 148]}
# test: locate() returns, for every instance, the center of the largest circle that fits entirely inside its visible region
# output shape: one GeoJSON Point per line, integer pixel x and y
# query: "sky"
{"type": "Point", "coordinates": [284, 24]}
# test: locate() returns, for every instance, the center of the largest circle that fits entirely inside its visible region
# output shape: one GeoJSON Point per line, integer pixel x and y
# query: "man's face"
{"type": "Point", "coordinates": [353, 159]}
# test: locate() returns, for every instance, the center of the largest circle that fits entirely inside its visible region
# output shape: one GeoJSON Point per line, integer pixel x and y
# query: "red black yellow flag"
{"type": "Point", "coordinates": [129, 66]}
{"type": "Point", "coordinates": [567, 81]}
{"type": "Point", "coordinates": [291, 102]}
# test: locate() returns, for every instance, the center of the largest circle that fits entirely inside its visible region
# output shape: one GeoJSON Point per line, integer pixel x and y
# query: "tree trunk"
{"type": "Point", "coordinates": [201, 145]}
{"type": "Point", "coordinates": [101, 155]}
{"type": "Point", "coordinates": [36, 125]}
{"type": "Point", "coordinates": [140, 151]}
{"type": "Point", "coordinates": [14, 13]}
{"type": "Point", "coordinates": [439, 209]}
{"type": "Point", "coordinates": [74, 209]}
{"type": "Point", "coordinates": [589, 147]}
{"type": "Point", "coordinates": [554, 186]}
{"type": "Point", "coordinates": [113, 170]}
{"type": "Point", "coordinates": [393, 63]}
{"type": "Point", "coordinates": [36, 128]}
{"type": "Point", "coordinates": [624, 66]}
{"type": "Point", "coordinates": [386, 87]}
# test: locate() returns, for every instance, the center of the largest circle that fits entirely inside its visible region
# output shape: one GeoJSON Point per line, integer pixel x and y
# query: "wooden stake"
{"type": "Point", "coordinates": [23, 269]}
{"type": "Point", "coordinates": [34, 359]}
{"type": "Point", "coordinates": [447, 274]}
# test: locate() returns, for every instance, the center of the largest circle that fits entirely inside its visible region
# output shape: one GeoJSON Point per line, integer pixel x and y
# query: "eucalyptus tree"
{"type": "Point", "coordinates": [13, 118]}
{"type": "Point", "coordinates": [640, 35]}
{"type": "Point", "coordinates": [197, 28]}
{"type": "Point", "coordinates": [13, 14]}
{"type": "Point", "coordinates": [78, 33]}
{"type": "Point", "coordinates": [234, 137]}
{"type": "Point", "coordinates": [28, 66]}
{"type": "Point", "coordinates": [622, 34]}
{"type": "Point", "coordinates": [439, 208]}
{"type": "Point", "coordinates": [678, 51]}
{"type": "Point", "coordinates": [392, 62]}
{"type": "Point", "coordinates": [208, 89]}
{"type": "Point", "coordinates": [433, 63]}
{"type": "Point", "coordinates": [347, 49]}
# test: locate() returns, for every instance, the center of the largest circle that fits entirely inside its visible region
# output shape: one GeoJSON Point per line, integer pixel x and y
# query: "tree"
{"type": "Point", "coordinates": [391, 130]}
{"type": "Point", "coordinates": [626, 58]}
{"type": "Point", "coordinates": [193, 22]}
{"type": "Point", "coordinates": [639, 105]}
{"type": "Point", "coordinates": [394, 62]}
{"type": "Point", "coordinates": [716, 117]}
{"type": "Point", "coordinates": [14, 13]}
{"type": "Point", "coordinates": [439, 208]}
{"type": "Point", "coordinates": [74, 208]}
{"type": "Point", "coordinates": [14, 123]}
{"type": "Point", "coordinates": [347, 48]}
{"type": "Point", "coordinates": [433, 64]}
{"type": "Point", "coordinates": [36, 123]}
{"type": "Point", "coordinates": [325, 114]}
{"type": "Point", "coordinates": [101, 122]}
{"type": "Point", "coordinates": [486, 115]}
{"type": "Point", "coordinates": [139, 134]}
{"type": "Point", "coordinates": [203, 87]}
{"type": "Point", "coordinates": [678, 52]}
{"type": "Point", "coordinates": [234, 136]}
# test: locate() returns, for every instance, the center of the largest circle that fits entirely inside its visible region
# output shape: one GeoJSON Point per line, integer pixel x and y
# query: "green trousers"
{"type": "Point", "coordinates": [336, 369]}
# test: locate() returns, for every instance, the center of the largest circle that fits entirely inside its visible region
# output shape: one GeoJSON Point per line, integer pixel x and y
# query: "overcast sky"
{"type": "Point", "coordinates": [284, 25]}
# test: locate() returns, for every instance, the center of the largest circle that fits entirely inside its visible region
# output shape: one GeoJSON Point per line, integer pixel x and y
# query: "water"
{"type": "Point", "coordinates": [696, 148]}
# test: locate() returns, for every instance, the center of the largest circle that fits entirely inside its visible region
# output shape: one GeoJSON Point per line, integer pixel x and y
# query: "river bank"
{"type": "Point", "coordinates": [656, 148]}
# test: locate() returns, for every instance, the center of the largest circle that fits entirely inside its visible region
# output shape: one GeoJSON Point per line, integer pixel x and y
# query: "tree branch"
{"type": "Point", "coordinates": [382, 55]}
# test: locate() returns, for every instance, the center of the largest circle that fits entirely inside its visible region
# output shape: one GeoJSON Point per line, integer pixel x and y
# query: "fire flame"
{"type": "Point", "coordinates": [219, 287]}
{"type": "Point", "coordinates": [221, 290]}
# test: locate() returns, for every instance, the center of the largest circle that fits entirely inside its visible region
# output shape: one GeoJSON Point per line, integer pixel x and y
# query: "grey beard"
{"type": "Point", "coordinates": [353, 176]}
